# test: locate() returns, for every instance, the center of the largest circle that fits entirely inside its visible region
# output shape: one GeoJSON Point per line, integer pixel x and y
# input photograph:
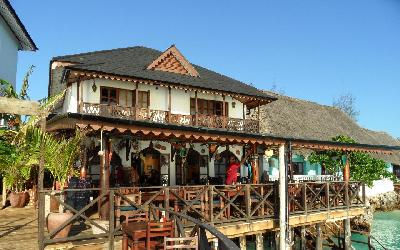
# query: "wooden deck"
{"type": "Point", "coordinates": [19, 230]}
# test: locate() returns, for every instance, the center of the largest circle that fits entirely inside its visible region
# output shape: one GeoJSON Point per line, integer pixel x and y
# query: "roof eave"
{"type": "Point", "coordinates": [32, 46]}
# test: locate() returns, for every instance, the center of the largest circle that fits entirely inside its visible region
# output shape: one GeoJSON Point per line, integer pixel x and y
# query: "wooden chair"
{"type": "Point", "coordinates": [181, 243]}
{"type": "Point", "coordinates": [156, 231]}
{"type": "Point", "coordinates": [124, 211]}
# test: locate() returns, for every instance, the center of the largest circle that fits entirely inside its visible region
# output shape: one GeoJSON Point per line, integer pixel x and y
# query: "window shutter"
{"type": "Point", "coordinates": [148, 99]}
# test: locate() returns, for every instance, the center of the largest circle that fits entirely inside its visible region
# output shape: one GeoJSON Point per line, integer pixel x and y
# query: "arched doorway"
{"type": "Point", "coordinates": [188, 167]}
{"type": "Point", "coordinates": [221, 163]}
{"type": "Point", "coordinates": [150, 170]}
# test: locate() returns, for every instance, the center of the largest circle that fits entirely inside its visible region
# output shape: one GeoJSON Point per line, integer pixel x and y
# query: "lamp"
{"type": "Point", "coordinates": [94, 87]}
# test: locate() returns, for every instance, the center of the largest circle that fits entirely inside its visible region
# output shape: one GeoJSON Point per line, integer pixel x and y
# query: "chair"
{"type": "Point", "coordinates": [181, 243]}
{"type": "Point", "coordinates": [156, 231]}
{"type": "Point", "coordinates": [124, 211]}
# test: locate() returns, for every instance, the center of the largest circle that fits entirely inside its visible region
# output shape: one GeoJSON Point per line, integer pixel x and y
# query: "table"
{"type": "Point", "coordinates": [135, 230]}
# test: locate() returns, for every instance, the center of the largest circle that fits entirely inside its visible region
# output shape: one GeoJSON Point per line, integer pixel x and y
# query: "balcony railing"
{"type": "Point", "coordinates": [161, 116]}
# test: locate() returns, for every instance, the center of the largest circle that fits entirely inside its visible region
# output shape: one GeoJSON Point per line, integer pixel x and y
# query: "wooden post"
{"type": "Point", "coordinates": [276, 240]}
{"type": "Point", "coordinates": [318, 243]}
{"type": "Point", "coordinates": [259, 242]}
{"type": "Point", "coordinates": [258, 117]}
{"type": "Point", "coordinates": [105, 180]}
{"type": "Point", "coordinates": [111, 220]}
{"type": "Point", "coordinates": [78, 94]}
{"type": "Point", "coordinates": [169, 104]}
{"type": "Point", "coordinates": [4, 194]}
{"type": "Point", "coordinates": [255, 167]}
{"type": "Point", "coordinates": [41, 212]}
{"type": "Point", "coordinates": [136, 100]}
{"type": "Point", "coordinates": [242, 240]}
{"type": "Point", "coordinates": [347, 235]}
{"type": "Point", "coordinates": [346, 170]}
{"type": "Point", "coordinates": [282, 198]}
{"type": "Point", "coordinates": [196, 109]}
{"type": "Point", "coordinates": [303, 238]}
{"type": "Point", "coordinates": [223, 112]}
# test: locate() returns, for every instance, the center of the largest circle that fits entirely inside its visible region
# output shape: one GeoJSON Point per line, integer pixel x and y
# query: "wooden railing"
{"type": "Point", "coordinates": [161, 116]}
{"type": "Point", "coordinates": [209, 204]}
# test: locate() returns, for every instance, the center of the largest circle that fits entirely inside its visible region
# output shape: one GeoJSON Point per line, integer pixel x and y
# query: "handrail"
{"type": "Point", "coordinates": [164, 116]}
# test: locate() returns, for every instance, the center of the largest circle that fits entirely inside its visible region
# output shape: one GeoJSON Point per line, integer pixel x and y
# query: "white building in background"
{"type": "Point", "coordinates": [13, 38]}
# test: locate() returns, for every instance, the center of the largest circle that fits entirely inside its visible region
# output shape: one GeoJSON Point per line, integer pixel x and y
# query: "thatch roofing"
{"type": "Point", "coordinates": [291, 117]}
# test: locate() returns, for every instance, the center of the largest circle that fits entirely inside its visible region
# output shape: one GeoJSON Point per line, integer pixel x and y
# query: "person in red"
{"type": "Point", "coordinates": [231, 171]}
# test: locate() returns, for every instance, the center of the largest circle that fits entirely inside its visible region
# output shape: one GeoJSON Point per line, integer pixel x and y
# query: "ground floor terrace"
{"type": "Point", "coordinates": [179, 174]}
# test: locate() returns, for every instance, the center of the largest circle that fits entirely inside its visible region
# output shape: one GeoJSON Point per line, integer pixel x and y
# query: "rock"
{"type": "Point", "coordinates": [382, 202]}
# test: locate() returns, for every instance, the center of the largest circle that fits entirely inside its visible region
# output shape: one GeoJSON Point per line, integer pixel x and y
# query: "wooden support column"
{"type": "Point", "coordinates": [4, 194]}
{"type": "Point", "coordinates": [169, 104]}
{"type": "Point", "coordinates": [347, 234]}
{"type": "Point", "coordinates": [136, 100]}
{"type": "Point", "coordinates": [41, 212]}
{"type": "Point", "coordinates": [303, 238]}
{"type": "Point", "coordinates": [255, 166]}
{"type": "Point", "coordinates": [346, 170]}
{"type": "Point", "coordinates": [105, 180]}
{"type": "Point", "coordinates": [225, 119]}
{"type": "Point", "coordinates": [283, 220]}
{"type": "Point", "coordinates": [78, 95]}
{"type": "Point", "coordinates": [259, 242]}
{"type": "Point", "coordinates": [318, 243]}
{"type": "Point", "coordinates": [242, 240]}
{"type": "Point", "coordinates": [196, 109]}
{"type": "Point", "coordinates": [276, 241]}
{"type": "Point", "coordinates": [258, 117]}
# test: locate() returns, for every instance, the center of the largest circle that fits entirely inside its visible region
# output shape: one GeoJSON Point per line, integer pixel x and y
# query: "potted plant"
{"type": "Point", "coordinates": [60, 155]}
{"type": "Point", "coordinates": [17, 158]}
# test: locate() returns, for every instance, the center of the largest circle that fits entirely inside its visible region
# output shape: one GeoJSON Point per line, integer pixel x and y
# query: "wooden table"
{"type": "Point", "coordinates": [134, 230]}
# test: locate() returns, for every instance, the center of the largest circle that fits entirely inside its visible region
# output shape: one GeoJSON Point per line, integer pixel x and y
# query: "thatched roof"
{"type": "Point", "coordinates": [296, 118]}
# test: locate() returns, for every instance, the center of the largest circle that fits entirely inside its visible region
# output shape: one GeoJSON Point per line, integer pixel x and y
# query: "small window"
{"type": "Point", "coordinates": [143, 99]}
{"type": "Point", "coordinates": [109, 96]}
{"type": "Point", "coordinates": [207, 107]}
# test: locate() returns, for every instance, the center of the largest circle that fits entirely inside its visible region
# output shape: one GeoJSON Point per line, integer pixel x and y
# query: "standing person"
{"type": "Point", "coordinates": [231, 171]}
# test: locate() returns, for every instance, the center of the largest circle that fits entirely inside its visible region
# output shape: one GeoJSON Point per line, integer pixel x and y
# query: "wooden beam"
{"type": "Point", "coordinates": [18, 107]}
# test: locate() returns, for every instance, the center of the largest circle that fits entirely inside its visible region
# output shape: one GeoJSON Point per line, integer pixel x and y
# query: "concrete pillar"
{"type": "Point", "coordinates": [242, 240]}
{"type": "Point", "coordinates": [282, 198]}
{"type": "Point", "coordinates": [303, 238]}
{"type": "Point", "coordinates": [259, 242]}
{"type": "Point", "coordinates": [347, 234]}
{"type": "Point", "coordinates": [318, 244]}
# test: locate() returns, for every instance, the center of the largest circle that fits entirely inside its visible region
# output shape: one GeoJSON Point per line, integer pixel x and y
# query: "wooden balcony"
{"type": "Point", "coordinates": [161, 116]}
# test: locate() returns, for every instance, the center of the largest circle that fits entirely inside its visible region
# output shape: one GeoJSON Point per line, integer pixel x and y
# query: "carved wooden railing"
{"type": "Point", "coordinates": [161, 116]}
{"type": "Point", "coordinates": [208, 204]}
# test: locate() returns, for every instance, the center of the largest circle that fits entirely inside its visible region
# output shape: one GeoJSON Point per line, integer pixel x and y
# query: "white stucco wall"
{"type": "Point", "coordinates": [379, 187]}
{"type": "Point", "coordinates": [180, 99]}
{"type": "Point", "coordinates": [8, 53]}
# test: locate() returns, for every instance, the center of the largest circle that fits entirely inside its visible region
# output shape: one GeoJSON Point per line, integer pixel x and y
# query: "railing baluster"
{"type": "Point", "coordinates": [111, 221]}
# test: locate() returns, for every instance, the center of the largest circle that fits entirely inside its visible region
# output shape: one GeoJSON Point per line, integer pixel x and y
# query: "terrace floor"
{"type": "Point", "coordinates": [19, 230]}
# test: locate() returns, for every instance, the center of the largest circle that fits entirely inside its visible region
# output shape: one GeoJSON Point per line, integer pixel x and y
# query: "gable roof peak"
{"type": "Point", "coordinates": [172, 60]}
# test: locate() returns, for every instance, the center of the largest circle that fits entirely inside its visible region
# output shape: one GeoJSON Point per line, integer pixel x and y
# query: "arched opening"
{"type": "Point", "coordinates": [188, 167]}
{"type": "Point", "coordinates": [150, 170]}
{"type": "Point", "coordinates": [221, 163]}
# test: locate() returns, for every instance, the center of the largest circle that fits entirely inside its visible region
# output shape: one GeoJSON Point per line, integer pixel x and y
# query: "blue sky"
{"type": "Point", "coordinates": [312, 49]}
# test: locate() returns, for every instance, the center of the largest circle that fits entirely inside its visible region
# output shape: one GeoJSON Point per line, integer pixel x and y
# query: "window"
{"type": "Point", "coordinates": [143, 99]}
{"type": "Point", "coordinates": [109, 96]}
{"type": "Point", "coordinates": [208, 107]}
{"type": "Point", "coordinates": [396, 171]}
{"type": "Point", "coordinates": [298, 168]}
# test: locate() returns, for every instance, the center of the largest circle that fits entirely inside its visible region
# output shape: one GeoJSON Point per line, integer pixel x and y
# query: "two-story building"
{"type": "Point", "coordinates": [149, 88]}
{"type": "Point", "coordinates": [13, 38]}
{"type": "Point", "coordinates": [152, 118]}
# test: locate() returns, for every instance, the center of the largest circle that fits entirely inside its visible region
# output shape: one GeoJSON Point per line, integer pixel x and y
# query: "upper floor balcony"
{"type": "Point", "coordinates": [167, 117]}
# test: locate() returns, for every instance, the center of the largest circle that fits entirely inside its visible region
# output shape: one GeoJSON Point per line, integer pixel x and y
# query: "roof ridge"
{"type": "Point", "coordinates": [102, 51]}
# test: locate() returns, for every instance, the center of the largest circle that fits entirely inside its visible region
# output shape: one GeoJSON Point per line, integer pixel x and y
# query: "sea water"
{"type": "Point", "coordinates": [386, 229]}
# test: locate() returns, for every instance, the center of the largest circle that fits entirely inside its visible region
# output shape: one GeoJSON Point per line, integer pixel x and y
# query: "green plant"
{"type": "Point", "coordinates": [363, 167]}
{"type": "Point", "coordinates": [60, 155]}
